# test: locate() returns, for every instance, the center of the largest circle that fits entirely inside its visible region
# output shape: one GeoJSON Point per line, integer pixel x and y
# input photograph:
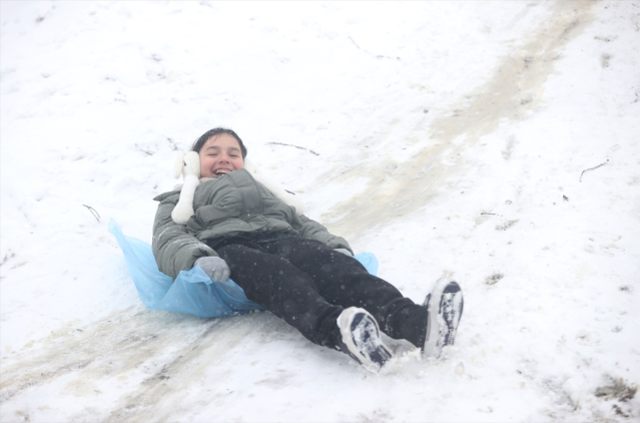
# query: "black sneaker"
{"type": "Point", "coordinates": [361, 338]}
{"type": "Point", "coordinates": [444, 308]}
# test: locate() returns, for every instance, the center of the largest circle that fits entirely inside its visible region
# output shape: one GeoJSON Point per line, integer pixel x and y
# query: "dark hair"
{"type": "Point", "coordinates": [197, 146]}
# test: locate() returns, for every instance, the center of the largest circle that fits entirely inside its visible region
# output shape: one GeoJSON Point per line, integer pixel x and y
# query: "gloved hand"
{"type": "Point", "coordinates": [215, 267]}
{"type": "Point", "coordinates": [343, 251]}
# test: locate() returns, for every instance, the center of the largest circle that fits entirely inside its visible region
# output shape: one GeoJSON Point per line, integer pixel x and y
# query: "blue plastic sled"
{"type": "Point", "coordinates": [193, 292]}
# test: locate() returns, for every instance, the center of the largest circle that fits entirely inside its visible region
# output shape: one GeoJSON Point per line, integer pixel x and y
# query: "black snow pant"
{"type": "Point", "coordinates": [308, 284]}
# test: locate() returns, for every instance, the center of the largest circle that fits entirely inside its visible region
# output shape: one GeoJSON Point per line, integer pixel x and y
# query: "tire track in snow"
{"type": "Point", "coordinates": [132, 353]}
{"type": "Point", "coordinates": [186, 368]}
{"type": "Point", "coordinates": [513, 91]}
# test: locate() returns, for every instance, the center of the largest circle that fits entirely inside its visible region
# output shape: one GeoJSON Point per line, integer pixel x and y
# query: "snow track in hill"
{"type": "Point", "coordinates": [142, 355]}
{"type": "Point", "coordinates": [513, 93]}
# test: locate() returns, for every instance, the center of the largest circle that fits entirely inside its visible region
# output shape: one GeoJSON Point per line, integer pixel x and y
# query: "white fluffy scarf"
{"type": "Point", "coordinates": [188, 164]}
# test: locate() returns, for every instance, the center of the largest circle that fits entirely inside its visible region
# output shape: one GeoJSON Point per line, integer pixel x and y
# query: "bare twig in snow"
{"type": "Point", "coordinates": [296, 146]}
{"type": "Point", "coordinates": [592, 168]}
{"type": "Point", "coordinates": [379, 56]}
{"type": "Point", "coordinates": [147, 152]}
{"type": "Point", "coordinates": [94, 212]}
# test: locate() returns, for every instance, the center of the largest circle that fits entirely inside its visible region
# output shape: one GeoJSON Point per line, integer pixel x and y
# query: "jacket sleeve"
{"type": "Point", "coordinates": [313, 230]}
{"type": "Point", "coordinates": [174, 248]}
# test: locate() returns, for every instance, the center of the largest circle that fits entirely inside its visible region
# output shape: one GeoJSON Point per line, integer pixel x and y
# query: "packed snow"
{"type": "Point", "coordinates": [497, 143]}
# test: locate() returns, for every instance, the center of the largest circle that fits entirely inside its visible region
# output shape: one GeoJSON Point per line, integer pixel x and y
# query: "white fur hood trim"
{"type": "Point", "coordinates": [274, 187]}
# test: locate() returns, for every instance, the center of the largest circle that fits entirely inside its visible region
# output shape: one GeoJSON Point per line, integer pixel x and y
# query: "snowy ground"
{"type": "Point", "coordinates": [459, 138]}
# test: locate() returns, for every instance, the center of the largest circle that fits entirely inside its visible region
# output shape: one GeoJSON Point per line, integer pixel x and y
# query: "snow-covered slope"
{"type": "Point", "coordinates": [497, 142]}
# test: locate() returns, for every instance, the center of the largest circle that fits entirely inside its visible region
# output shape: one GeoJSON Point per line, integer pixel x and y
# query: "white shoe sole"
{"type": "Point", "coordinates": [372, 353]}
{"type": "Point", "coordinates": [444, 309]}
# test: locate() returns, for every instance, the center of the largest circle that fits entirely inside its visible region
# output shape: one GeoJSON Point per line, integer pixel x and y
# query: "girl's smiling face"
{"type": "Point", "coordinates": [221, 154]}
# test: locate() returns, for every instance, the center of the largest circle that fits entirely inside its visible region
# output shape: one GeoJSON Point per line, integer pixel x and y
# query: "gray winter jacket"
{"type": "Point", "coordinates": [230, 205]}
